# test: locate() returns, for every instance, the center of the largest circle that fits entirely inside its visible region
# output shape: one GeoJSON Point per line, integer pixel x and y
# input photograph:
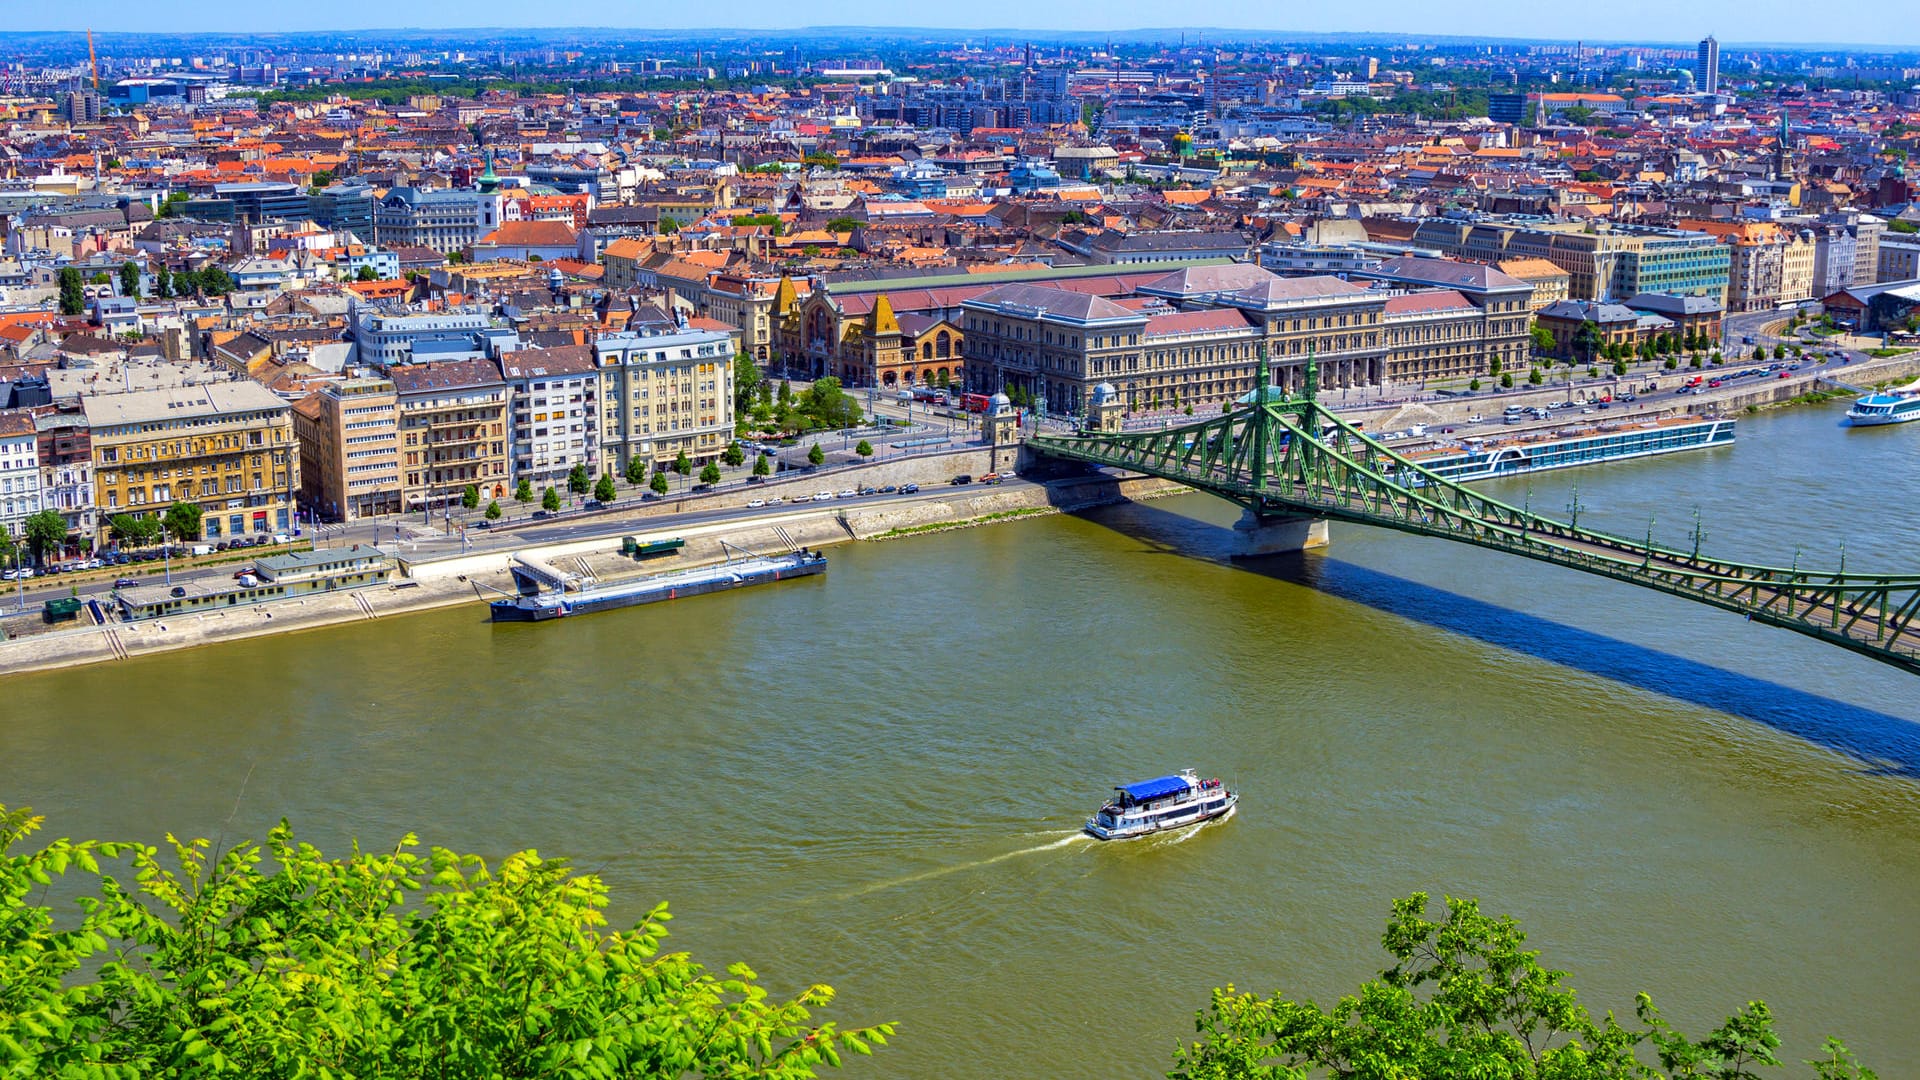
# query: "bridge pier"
{"type": "Point", "coordinates": [1257, 534]}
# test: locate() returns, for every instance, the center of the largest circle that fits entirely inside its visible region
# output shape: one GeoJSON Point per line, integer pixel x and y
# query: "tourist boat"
{"type": "Point", "coordinates": [1486, 459]}
{"type": "Point", "coordinates": [547, 594]}
{"type": "Point", "coordinates": [1887, 407]}
{"type": "Point", "coordinates": [1169, 802]}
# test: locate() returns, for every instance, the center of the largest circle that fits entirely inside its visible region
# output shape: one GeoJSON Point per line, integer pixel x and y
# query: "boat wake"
{"type": "Point", "coordinates": [1067, 840]}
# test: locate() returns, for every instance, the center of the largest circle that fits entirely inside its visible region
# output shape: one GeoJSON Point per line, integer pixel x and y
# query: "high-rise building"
{"type": "Point", "coordinates": [1706, 68]}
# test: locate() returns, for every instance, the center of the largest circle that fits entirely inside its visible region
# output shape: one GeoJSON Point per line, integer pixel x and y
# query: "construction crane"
{"type": "Point", "coordinates": [91, 62]}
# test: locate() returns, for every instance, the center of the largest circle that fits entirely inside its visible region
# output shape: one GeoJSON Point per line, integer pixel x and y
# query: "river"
{"type": "Point", "coordinates": [873, 779]}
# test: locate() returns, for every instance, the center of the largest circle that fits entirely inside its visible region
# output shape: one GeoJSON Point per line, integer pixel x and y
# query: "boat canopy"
{"type": "Point", "coordinates": [1156, 789]}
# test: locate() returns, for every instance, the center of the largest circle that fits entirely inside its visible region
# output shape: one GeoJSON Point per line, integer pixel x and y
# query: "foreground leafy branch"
{"type": "Point", "coordinates": [1464, 999]}
{"type": "Point", "coordinates": [275, 961]}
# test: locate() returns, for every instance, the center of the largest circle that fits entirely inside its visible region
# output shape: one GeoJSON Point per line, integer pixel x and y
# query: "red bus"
{"type": "Point", "coordinates": [973, 402]}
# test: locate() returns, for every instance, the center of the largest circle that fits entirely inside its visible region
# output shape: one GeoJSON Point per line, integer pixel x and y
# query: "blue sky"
{"type": "Point", "coordinates": [1639, 20]}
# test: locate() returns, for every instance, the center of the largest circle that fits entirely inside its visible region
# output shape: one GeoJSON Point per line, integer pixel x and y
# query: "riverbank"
{"type": "Point", "coordinates": [427, 584]}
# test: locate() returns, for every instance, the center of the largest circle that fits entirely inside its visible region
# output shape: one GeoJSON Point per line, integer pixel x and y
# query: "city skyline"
{"type": "Point", "coordinates": [1763, 22]}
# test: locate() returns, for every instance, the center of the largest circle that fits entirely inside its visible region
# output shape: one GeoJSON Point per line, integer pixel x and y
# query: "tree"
{"type": "Point", "coordinates": [523, 490]}
{"type": "Point", "coordinates": [1464, 997]}
{"type": "Point", "coordinates": [7, 546]}
{"type": "Point", "coordinates": [746, 381]}
{"type": "Point", "coordinates": [579, 480]}
{"type": "Point", "coordinates": [130, 279]}
{"type": "Point", "coordinates": [73, 291]}
{"type": "Point", "coordinates": [1779, 351]}
{"type": "Point", "coordinates": [182, 519]}
{"type": "Point", "coordinates": [366, 273]}
{"type": "Point", "coordinates": [1506, 380]}
{"type": "Point", "coordinates": [669, 226]}
{"type": "Point", "coordinates": [470, 497]}
{"type": "Point", "coordinates": [134, 529]}
{"type": "Point", "coordinates": [636, 470]}
{"type": "Point", "coordinates": [1619, 367]}
{"type": "Point", "coordinates": [604, 490]}
{"type": "Point", "coordinates": [683, 464]}
{"type": "Point", "coordinates": [1587, 339]}
{"type": "Point", "coordinates": [786, 392]}
{"type": "Point", "coordinates": [659, 482]}
{"type": "Point", "coordinates": [493, 510]}
{"type": "Point", "coordinates": [44, 531]}
{"type": "Point", "coordinates": [843, 224]}
{"type": "Point", "coordinates": [733, 454]}
{"type": "Point", "coordinates": [1474, 385]}
{"type": "Point", "coordinates": [162, 282]}
{"type": "Point", "coordinates": [1542, 339]}
{"type": "Point", "coordinates": [865, 449]}
{"type": "Point", "coordinates": [761, 467]}
{"type": "Point", "coordinates": [815, 455]}
{"type": "Point", "coordinates": [710, 474]}
{"type": "Point", "coordinates": [386, 963]}
{"type": "Point", "coordinates": [550, 499]}
{"type": "Point", "coordinates": [1534, 377]}
{"type": "Point", "coordinates": [1759, 353]}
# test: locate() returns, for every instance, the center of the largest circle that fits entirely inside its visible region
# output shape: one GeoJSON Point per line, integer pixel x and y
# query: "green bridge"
{"type": "Point", "coordinates": [1295, 466]}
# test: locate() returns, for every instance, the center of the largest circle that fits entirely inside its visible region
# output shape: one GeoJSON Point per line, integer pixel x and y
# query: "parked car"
{"type": "Point", "coordinates": [538, 514]}
{"type": "Point", "coordinates": [776, 501]}
{"type": "Point", "coordinates": [909, 489]}
{"type": "Point", "coordinates": [755, 504]}
{"type": "Point", "coordinates": [888, 490]}
{"type": "Point", "coordinates": [869, 490]}
{"type": "Point", "coordinates": [697, 488]}
{"type": "Point", "coordinates": [594, 504]}
{"type": "Point", "coordinates": [963, 478]}
{"type": "Point", "coordinates": [847, 494]}
{"type": "Point", "coordinates": [124, 583]}
{"type": "Point", "coordinates": [756, 479]}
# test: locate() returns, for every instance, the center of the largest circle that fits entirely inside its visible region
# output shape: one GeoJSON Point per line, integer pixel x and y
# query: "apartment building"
{"type": "Point", "coordinates": [227, 446]}
{"type": "Point", "coordinates": [386, 338]}
{"type": "Point", "coordinates": [20, 496]}
{"type": "Point", "coordinates": [555, 414]}
{"type": "Point", "coordinates": [453, 431]}
{"type": "Point", "coordinates": [1606, 261]}
{"type": "Point", "coordinates": [661, 394]}
{"type": "Point", "coordinates": [66, 466]}
{"type": "Point", "coordinates": [349, 437]}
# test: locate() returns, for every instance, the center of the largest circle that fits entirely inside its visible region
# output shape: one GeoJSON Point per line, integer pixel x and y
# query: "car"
{"type": "Point", "coordinates": [483, 523]}
{"type": "Point", "coordinates": [963, 478]}
{"type": "Point", "coordinates": [823, 496]}
{"type": "Point", "coordinates": [1585, 411]}
{"type": "Point", "coordinates": [539, 514]}
{"type": "Point", "coordinates": [1784, 375]}
{"type": "Point", "coordinates": [756, 479]}
{"type": "Point", "coordinates": [95, 564]}
{"type": "Point", "coordinates": [124, 583]}
{"type": "Point", "coordinates": [1793, 367]}
{"type": "Point", "coordinates": [776, 501]}
{"type": "Point", "coordinates": [869, 491]}
{"type": "Point", "coordinates": [282, 538]}
{"type": "Point", "coordinates": [1473, 418]}
{"type": "Point", "coordinates": [594, 504]}
{"type": "Point", "coordinates": [888, 490]}
{"type": "Point", "coordinates": [1629, 396]}
{"type": "Point", "coordinates": [909, 489]}
{"type": "Point", "coordinates": [755, 504]}
{"type": "Point", "coordinates": [850, 493]}
{"type": "Point", "coordinates": [177, 591]}
{"type": "Point", "coordinates": [988, 478]}
{"type": "Point", "coordinates": [1714, 383]}
{"type": "Point", "coordinates": [1603, 405]}
{"type": "Point", "coordinates": [701, 487]}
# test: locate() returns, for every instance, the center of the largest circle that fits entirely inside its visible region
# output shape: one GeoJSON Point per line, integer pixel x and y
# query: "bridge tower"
{"type": "Point", "coordinates": [1261, 531]}
{"type": "Point", "coordinates": [1001, 427]}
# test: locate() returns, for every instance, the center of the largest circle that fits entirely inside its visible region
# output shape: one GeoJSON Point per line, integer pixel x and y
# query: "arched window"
{"type": "Point", "coordinates": [944, 344]}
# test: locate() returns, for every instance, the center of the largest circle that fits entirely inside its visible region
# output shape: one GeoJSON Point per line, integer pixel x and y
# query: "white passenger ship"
{"type": "Point", "coordinates": [1169, 802]}
{"type": "Point", "coordinates": [1887, 407]}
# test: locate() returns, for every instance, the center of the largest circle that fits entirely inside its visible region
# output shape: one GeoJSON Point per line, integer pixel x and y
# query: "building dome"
{"type": "Point", "coordinates": [1104, 393]}
{"type": "Point", "coordinates": [1000, 401]}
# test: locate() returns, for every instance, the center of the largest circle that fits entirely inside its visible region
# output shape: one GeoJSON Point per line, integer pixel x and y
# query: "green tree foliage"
{"type": "Point", "coordinates": [130, 279]}
{"type": "Point", "coordinates": [604, 490]}
{"type": "Point", "coordinates": [669, 226]}
{"type": "Point", "coordinates": [815, 455]}
{"type": "Point", "coordinates": [493, 510]}
{"type": "Point", "coordinates": [44, 531]}
{"type": "Point", "coordinates": [1506, 380]}
{"type": "Point", "coordinates": [73, 291]}
{"type": "Point", "coordinates": [1759, 353]}
{"type": "Point", "coordinates": [1619, 367]}
{"type": "Point", "coordinates": [636, 470]}
{"type": "Point", "coordinates": [182, 519]}
{"type": "Point", "coordinates": [865, 449]}
{"type": "Point", "coordinates": [1474, 385]}
{"type": "Point", "coordinates": [1534, 377]}
{"type": "Point", "coordinates": [470, 496]}
{"type": "Point", "coordinates": [1543, 339]}
{"type": "Point", "coordinates": [523, 491]}
{"type": "Point", "coordinates": [274, 960]}
{"type": "Point", "coordinates": [786, 392]}
{"type": "Point", "coordinates": [135, 529]}
{"type": "Point", "coordinates": [772, 221]}
{"type": "Point", "coordinates": [746, 381]}
{"type": "Point", "coordinates": [366, 273]}
{"type": "Point", "coordinates": [550, 499]}
{"type": "Point", "coordinates": [843, 224]}
{"type": "Point", "coordinates": [733, 455]}
{"type": "Point", "coordinates": [7, 545]}
{"type": "Point", "coordinates": [761, 466]}
{"type": "Point", "coordinates": [710, 473]}
{"type": "Point", "coordinates": [162, 282]}
{"type": "Point", "coordinates": [579, 480]}
{"type": "Point", "coordinates": [1465, 998]}
{"type": "Point", "coordinates": [683, 464]}
{"type": "Point", "coordinates": [658, 484]}
{"type": "Point", "coordinates": [820, 160]}
{"type": "Point", "coordinates": [831, 406]}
